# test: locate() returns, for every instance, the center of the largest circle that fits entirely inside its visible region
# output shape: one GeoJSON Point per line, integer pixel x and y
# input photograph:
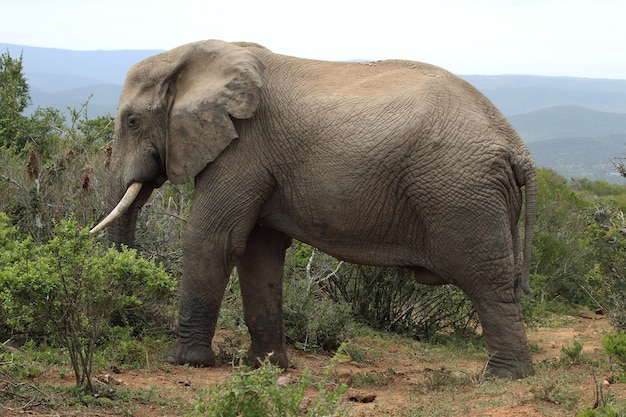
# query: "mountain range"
{"type": "Point", "coordinates": [575, 126]}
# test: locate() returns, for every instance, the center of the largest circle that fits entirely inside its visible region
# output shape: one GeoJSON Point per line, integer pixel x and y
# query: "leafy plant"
{"type": "Point", "coordinates": [554, 393]}
{"type": "Point", "coordinates": [606, 280]}
{"type": "Point", "coordinates": [312, 320]}
{"type": "Point", "coordinates": [255, 392]}
{"type": "Point", "coordinates": [604, 411]}
{"type": "Point", "coordinates": [14, 98]}
{"type": "Point", "coordinates": [373, 378]}
{"type": "Point", "coordinates": [572, 354]}
{"type": "Point", "coordinates": [560, 254]}
{"type": "Point", "coordinates": [443, 378]}
{"type": "Point", "coordinates": [615, 345]}
{"type": "Point", "coordinates": [390, 299]}
{"type": "Point", "coordinates": [69, 288]}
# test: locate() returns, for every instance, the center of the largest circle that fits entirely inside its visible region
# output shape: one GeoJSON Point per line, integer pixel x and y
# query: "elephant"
{"type": "Point", "coordinates": [389, 163]}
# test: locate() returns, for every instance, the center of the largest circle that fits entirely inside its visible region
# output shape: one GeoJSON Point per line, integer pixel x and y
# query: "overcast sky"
{"type": "Point", "coordinates": [580, 38]}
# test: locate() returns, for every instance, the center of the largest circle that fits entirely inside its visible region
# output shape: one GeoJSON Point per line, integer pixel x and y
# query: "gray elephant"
{"type": "Point", "coordinates": [390, 163]}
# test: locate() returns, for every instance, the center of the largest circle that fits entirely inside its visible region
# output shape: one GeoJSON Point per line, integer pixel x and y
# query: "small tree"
{"type": "Point", "coordinates": [607, 279]}
{"type": "Point", "coordinates": [14, 98]}
{"type": "Point", "coordinates": [68, 289]}
{"type": "Point", "coordinates": [560, 254]}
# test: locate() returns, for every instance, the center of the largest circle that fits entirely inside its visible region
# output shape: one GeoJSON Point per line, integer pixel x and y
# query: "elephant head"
{"type": "Point", "coordinates": [173, 120]}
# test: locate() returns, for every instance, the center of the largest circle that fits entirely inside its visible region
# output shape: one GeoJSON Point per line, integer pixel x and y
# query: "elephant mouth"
{"type": "Point", "coordinates": [126, 201]}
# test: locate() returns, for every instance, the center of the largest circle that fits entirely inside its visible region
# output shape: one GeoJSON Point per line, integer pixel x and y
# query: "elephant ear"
{"type": "Point", "coordinates": [210, 81]}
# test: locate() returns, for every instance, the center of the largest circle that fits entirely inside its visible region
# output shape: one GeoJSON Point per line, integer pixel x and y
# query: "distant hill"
{"type": "Point", "coordinates": [514, 94]}
{"type": "Point", "coordinates": [567, 122]}
{"type": "Point", "coordinates": [59, 69]}
{"type": "Point", "coordinates": [103, 101]}
{"type": "Point", "coordinates": [61, 78]}
{"type": "Point", "coordinates": [575, 141]}
{"type": "Point", "coordinates": [586, 157]}
{"type": "Point", "coordinates": [573, 125]}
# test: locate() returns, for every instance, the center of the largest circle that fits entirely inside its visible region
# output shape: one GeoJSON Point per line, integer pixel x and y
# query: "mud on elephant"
{"type": "Point", "coordinates": [389, 163]}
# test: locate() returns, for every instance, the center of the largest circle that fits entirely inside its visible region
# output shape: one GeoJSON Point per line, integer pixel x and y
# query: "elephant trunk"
{"type": "Point", "coordinates": [122, 231]}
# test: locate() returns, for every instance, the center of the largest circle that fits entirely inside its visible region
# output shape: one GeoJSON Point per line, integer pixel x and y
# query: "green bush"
{"type": "Point", "coordinates": [255, 392]}
{"type": "Point", "coordinates": [312, 320]}
{"type": "Point", "coordinates": [67, 290]}
{"type": "Point", "coordinates": [390, 299]}
{"type": "Point", "coordinates": [605, 411]}
{"type": "Point", "coordinates": [560, 254]}
{"type": "Point", "coordinates": [571, 355]}
{"type": "Point", "coordinates": [615, 345]}
{"type": "Point", "coordinates": [320, 291]}
{"type": "Point", "coordinates": [606, 280]}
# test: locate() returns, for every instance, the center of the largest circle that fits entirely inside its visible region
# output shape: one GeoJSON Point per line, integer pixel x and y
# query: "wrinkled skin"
{"type": "Point", "coordinates": [391, 163]}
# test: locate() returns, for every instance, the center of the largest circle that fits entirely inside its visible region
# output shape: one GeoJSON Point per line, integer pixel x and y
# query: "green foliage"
{"type": "Point", "coordinates": [555, 393]}
{"type": "Point", "coordinates": [572, 354]}
{"type": "Point", "coordinates": [604, 411]}
{"type": "Point", "coordinates": [559, 254]}
{"type": "Point", "coordinates": [312, 320]}
{"type": "Point", "coordinates": [67, 290]}
{"type": "Point", "coordinates": [14, 98]}
{"type": "Point", "coordinates": [54, 177]}
{"type": "Point", "coordinates": [390, 299]}
{"type": "Point", "coordinates": [257, 393]}
{"type": "Point", "coordinates": [16, 129]}
{"type": "Point", "coordinates": [443, 378]}
{"type": "Point", "coordinates": [615, 345]}
{"type": "Point", "coordinates": [384, 298]}
{"type": "Point", "coordinates": [373, 378]}
{"type": "Point", "coordinates": [159, 233]}
{"type": "Point", "coordinates": [606, 280]}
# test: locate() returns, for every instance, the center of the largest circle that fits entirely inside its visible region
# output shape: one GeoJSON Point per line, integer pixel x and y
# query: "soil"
{"type": "Point", "coordinates": [399, 378]}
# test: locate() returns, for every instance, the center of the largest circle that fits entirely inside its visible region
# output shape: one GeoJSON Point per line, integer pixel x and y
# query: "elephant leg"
{"type": "Point", "coordinates": [500, 314]}
{"type": "Point", "coordinates": [260, 271]}
{"type": "Point", "coordinates": [205, 276]}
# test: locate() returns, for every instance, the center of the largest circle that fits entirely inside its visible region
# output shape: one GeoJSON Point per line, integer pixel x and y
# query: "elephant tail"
{"type": "Point", "coordinates": [530, 183]}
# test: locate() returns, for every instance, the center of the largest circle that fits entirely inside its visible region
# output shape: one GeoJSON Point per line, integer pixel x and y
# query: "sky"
{"type": "Point", "coordinates": [579, 38]}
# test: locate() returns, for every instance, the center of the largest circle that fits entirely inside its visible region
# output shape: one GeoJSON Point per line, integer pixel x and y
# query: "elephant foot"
{"type": "Point", "coordinates": [257, 358]}
{"type": "Point", "coordinates": [510, 370]}
{"type": "Point", "coordinates": [190, 354]}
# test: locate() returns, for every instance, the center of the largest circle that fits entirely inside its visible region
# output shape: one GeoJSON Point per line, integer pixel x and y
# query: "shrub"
{"type": "Point", "coordinates": [385, 298]}
{"type": "Point", "coordinates": [255, 392]}
{"type": "Point", "coordinates": [607, 279]}
{"type": "Point", "coordinates": [560, 254]}
{"type": "Point", "coordinates": [312, 320]}
{"type": "Point", "coordinates": [390, 299]}
{"type": "Point", "coordinates": [602, 411]}
{"type": "Point", "coordinates": [615, 345]}
{"type": "Point", "coordinates": [572, 354]}
{"type": "Point", "coordinates": [67, 290]}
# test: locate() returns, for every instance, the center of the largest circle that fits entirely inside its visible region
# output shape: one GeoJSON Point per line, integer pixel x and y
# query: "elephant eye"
{"type": "Point", "coordinates": [133, 122]}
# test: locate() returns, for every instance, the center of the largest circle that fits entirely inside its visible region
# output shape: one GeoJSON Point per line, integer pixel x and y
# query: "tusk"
{"type": "Point", "coordinates": [122, 206]}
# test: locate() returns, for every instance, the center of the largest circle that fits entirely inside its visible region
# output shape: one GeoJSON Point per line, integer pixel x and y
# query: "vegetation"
{"type": "Point", "coordinates": [66, 297]}
{"type": "Point", "coordinates": [68, 291]}
{"type": "Point", "coordinates": [256, 392]}
{"type": "Point", "coordinates": [14, 99]}
{"type": "Point", "coordinates": [615, 345]}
